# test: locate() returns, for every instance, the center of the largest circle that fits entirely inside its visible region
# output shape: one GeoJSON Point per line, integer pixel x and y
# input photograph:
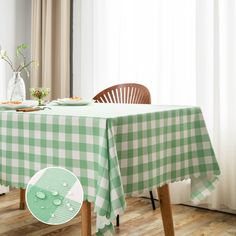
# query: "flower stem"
{"type": "Point", "coordinates": [9, 62]}
{"type": "Point", "coordinates": [25, 66]}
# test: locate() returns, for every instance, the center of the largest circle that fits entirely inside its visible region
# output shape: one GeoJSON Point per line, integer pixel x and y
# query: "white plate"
{"type": "Point", "coordinates": [24, 104]}
{"type": "Point", "coordinates": [74, 102]}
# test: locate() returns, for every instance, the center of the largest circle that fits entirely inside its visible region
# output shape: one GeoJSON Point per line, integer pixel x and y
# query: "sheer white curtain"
{"type": "Point", "coordinates": [182, 50]}
{"type": "Point", "coordinates": [216, 86]}
{"type": "Point", "coordinates": [146, 41]}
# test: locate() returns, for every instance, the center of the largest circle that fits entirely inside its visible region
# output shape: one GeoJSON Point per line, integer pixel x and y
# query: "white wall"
{"type": "Point", "coordinates": [15, 28]}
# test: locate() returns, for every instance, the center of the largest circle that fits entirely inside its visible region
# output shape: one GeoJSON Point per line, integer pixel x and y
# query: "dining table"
{"type": "Point", "coordinates": [115, 150]}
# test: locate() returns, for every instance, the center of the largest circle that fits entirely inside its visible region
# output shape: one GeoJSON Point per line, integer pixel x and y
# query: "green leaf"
{"type": "Point", "coordinates": [20, 48]}
{"type": "Point", "coordinates": [24, 46]}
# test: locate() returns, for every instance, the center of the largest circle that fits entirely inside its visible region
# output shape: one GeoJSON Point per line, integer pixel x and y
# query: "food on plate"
{"type": "Point", "coordinates": [11, 102]}
{"type": "Point", "coordinates": [74, 98]}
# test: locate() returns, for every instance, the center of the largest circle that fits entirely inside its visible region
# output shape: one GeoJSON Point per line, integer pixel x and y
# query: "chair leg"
{"type": "Point", "coordinates": [166, 212]}
{"type": "Point", "coordinates": [152, 200]}
{"type": "Point", "coordinates": [153, 207]}
{"type": "Point", "coordinates": [86, 219]}
{"type": "Point", "coordinates": [117, 221]}
{"type": "Point", "coordinates": [22, 199]}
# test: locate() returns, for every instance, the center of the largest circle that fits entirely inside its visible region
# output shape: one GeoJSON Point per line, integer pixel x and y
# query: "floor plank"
{"type": "Point", "coordinates": [139, 219]}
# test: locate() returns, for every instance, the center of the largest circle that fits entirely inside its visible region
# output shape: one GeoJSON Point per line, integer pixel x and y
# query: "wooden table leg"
{"type": "Point", "coordinates": [166, 212]}
{"type": "Point", "coordinates": [86, 219]}
{"type": "Point", "coordinates": [22, 199]}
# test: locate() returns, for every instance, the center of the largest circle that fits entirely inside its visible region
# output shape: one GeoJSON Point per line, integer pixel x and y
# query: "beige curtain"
{"type": "Point", "coordinates": [51, 46]}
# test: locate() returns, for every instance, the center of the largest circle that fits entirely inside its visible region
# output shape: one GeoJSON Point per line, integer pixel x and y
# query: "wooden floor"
{"type": "Point", "coordinates": [139, 219]}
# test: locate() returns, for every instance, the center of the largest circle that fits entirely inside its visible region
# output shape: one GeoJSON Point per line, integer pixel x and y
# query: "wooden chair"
{"type": "Point", "coordinates": [130, 93]}
{"type": "Point", "coordinates": [124, 93]}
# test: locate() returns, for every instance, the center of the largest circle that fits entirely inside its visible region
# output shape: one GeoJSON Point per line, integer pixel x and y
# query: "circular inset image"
{"type": "Point", "coordinates": [54, 195]}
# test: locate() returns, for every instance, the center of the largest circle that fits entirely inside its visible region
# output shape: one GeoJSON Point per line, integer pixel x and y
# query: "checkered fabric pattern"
{"type": "Point", "coordinates": [112, 155]}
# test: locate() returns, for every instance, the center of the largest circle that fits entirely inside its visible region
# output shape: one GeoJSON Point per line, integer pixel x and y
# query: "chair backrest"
{"type": "Point", "coordinates": [131, 93]}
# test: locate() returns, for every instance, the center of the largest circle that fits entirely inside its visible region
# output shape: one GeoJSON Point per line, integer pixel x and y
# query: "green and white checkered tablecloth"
{"type": "Point", "coordinates": [114, 149]}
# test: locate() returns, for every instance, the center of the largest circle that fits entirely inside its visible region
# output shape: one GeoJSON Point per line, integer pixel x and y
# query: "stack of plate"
{"type": "Point", "coordinates": [74, 102]}
{"type": "Point", "coordinates": [17, 105]}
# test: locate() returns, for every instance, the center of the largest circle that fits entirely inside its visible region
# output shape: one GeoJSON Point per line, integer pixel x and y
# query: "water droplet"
{"type": "Point", "coordinates": [71, 209]}
{"type": "Point", "coordinates": [64, 184]}
{"type": "Point", "coordinates": [42, 207]}
{"type": "Point", "coordinates": [54, 193]}
{"type": "Point", "coordinates": [68, 204]}
{"type": "Point", "coordinates": [40, 195]}
{"type": "Point", "coordinates": [57, 202]}
{"type": "Point", "coordinates": [52, 215]}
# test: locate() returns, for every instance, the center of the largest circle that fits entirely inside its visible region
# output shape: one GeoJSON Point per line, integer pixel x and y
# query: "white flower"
{"type": "Point", "coordinates": [3, 52]}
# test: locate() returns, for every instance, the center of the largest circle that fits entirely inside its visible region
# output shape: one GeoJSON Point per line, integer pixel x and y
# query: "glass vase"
{"type": "Point", "coordinates": [16, 88]}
